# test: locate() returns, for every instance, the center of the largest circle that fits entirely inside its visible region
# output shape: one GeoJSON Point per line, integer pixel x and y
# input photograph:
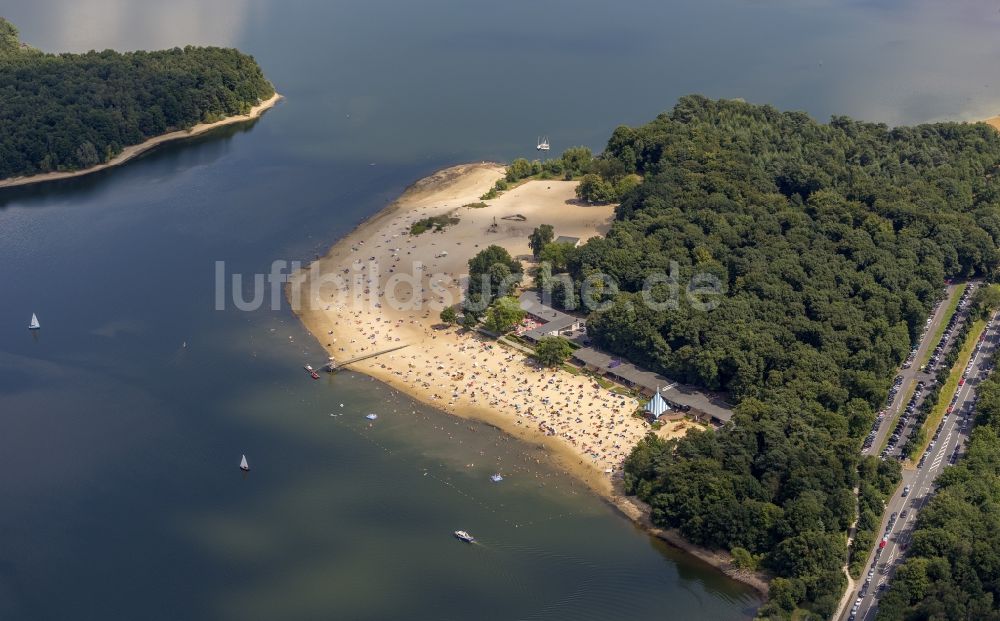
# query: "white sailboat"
{"type": "Point", "coordinates": [244, 466]}
{"type": "Point", "coordinates": [34, 325]}
{"type": "Point", "coordinates": [543, 144]}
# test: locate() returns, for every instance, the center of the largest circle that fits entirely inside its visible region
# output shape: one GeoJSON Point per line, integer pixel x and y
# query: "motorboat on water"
{"type": "Point", "coordinates": [311, 371]}
{"type": "Point", "coordinates": [464, 536]}
{"type": "Point", "coordinates": [496, 478]}
{"type": "Point", "coordinates": [371, 416]}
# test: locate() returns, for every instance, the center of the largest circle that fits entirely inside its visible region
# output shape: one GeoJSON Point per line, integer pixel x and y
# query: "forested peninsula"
{"type": "Point", "coordinates": [68, 112]}
{"type": "Point", "coordinates": [832, 243]}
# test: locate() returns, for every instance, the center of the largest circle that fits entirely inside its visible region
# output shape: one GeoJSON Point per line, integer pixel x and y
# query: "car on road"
{"type": "Point", "coordinates": [961, 382]}
{"type": "Point", "coordinates": [906, 491]}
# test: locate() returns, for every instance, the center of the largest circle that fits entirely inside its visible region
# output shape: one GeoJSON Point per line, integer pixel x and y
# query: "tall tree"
{"type": "Point", "coordinates": [552, 351]}
{"type": "Point", "coordinates": [542, 235]}
{"type": "Point", "coordinates": [503, 315]}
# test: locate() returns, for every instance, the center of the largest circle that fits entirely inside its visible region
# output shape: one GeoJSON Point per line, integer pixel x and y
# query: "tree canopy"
{"type": "Point", "coordinates": [449, 315]}
{"type": "Point", "coordinates": [503, 315]}
{"type": "Point", "coordinates": [542, 235]}
{"type": "Point", "coordinates": [831, 242]}
{"type": "Point", "coordinates": [492, 272]}
{"type": "Point", "coordinates": [552, 351]}
{"type": "Point", "coordinates": [69, 111]}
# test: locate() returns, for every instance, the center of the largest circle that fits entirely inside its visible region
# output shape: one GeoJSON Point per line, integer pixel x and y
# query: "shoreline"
{"type": "Point", "coordinates": [133, 151]}
{"type": "Point", "coordinates": [449, 191]}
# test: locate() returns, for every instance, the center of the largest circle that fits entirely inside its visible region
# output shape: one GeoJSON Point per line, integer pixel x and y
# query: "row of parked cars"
{"type": "Point", "coordinates": [963, 303]}
{"type": "Point", "coordinates": [904, 419]}
{"type": "Point", "coordinates": [911, 407]}
{"type": "Point", "coordinates": [897, 383]}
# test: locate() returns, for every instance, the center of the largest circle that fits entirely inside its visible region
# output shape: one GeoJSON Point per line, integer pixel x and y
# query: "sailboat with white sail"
{"type": "Point", "coordinates": [543, 143]}
{"type": "Point", "coordinates": [34, 325]}
{"type": "Point", "coordinates": [244, 466]}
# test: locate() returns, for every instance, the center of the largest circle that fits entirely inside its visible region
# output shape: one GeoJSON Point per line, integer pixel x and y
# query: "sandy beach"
{"type": "Point", "coordinates": [994, 121]}
{"type": "Point", "coordinates": [133, 151]}
{"type": "Point", "coordinates": [380, 287]}
{"type": "Point", "coordinates": [590, 428]}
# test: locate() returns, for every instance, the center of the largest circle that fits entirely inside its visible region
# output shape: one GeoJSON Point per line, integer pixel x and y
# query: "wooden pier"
{"type": "Point", "coordinates": [334, 365]}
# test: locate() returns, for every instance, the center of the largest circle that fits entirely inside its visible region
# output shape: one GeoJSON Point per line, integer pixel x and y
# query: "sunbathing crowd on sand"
{"type": "Point", "coordinates": [462, 372]}
{"type": "Point", "coordinates": [456, 370]}
{"type": "Point", "coordinates": [470, 371]}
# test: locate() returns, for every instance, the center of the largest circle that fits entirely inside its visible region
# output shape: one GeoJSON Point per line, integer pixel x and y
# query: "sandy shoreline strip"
{"type": "Point", "coordinates": [343, 299]}
{"type": "Point", "coordinates": [135, 150]}
{"type": "Point", "coordinates": [994, 121]}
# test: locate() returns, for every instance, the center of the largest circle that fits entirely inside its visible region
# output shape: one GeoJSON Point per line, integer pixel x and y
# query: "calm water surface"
{"type": "Point", "coordinates": [118, 445]}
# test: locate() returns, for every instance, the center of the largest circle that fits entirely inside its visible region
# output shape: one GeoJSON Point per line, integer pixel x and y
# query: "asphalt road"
{"type": "Point", "coordinates": [929, 375]}
{"type": "Point", "coordinates": [952, 437]}
{"type": "Point", "coordinates": [913, 374]}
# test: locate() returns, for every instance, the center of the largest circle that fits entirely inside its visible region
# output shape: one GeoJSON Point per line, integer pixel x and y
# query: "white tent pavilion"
{"type": "Point", "coordinates": [657, 406]}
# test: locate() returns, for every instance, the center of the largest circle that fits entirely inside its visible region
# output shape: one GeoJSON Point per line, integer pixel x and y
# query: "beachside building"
{"type": "Point", "coordinates": [680, 398]}
{"type": "Point", "coordinates": [565, 239]}
{"type": "Point", "coordinates": [551, 322]}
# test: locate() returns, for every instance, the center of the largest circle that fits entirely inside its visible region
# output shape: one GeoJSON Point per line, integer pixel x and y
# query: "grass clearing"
{"type": "Point", "coordinates": [571, 369]}
{"type": "Point", "coordinates": [436, 223]}
{"type": "Point", "coordinates": [948, 390]}
{"type": "Point", "coordinates": [604, 383]}
{"type": "Point", "coordinates": [948, 314]}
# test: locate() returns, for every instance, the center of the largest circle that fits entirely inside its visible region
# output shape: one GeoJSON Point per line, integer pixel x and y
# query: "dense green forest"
{"type": "Point", "coordinates": [952, 570]}
{"type": "Point", "coordinates": [70, 111]}
{"type": "Point", "coordinates": [832, 242]}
